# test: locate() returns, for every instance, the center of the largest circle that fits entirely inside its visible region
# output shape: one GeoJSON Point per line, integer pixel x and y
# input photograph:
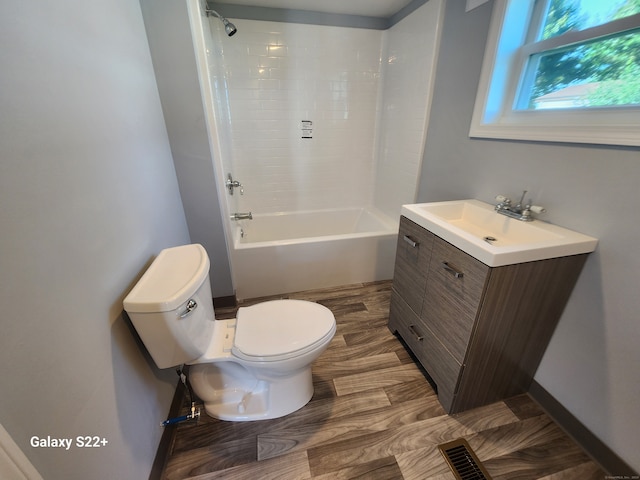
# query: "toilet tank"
{"type": "Point", "coordinates": [171, 306]}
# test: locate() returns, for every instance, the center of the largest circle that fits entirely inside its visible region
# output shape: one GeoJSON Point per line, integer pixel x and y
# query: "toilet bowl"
{"type": "Point", "coordinates": [253, 367]}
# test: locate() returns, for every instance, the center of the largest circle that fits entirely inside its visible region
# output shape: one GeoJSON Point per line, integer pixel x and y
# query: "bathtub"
{"type": "Point", "coordinates": [288, 252]}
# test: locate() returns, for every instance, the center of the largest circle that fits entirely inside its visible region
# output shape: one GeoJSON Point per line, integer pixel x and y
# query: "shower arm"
{"type": "Point", "coordinates": [210, 12]}
{"type": "Point", "coordinates": [229, 28]}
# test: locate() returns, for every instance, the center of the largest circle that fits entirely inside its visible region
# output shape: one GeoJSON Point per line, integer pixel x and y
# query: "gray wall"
{"type": "Point", "coordinates": [169, 34]}
{"type": "Point", "coordinates": [88, 196]}
{"type": "Point", "coordinates": [591, 365]}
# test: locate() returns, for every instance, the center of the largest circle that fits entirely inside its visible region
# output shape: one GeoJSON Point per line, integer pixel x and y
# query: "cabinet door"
{"type": "Point", "coordinates": [443, 369]}
{"type": "Point", "coordinates": [412, 262]}
{"type": "Point", "coordinates": [453, 294]}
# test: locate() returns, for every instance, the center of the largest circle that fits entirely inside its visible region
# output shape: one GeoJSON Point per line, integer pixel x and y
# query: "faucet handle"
{"type": "Point", "coordinates": [504, 203]}
{"type": "Point", "coordinates": [537, 209]}
{"type": "Point", "coordinates": [231, 184]}
{"type": "Point", "coordinates": [526, 213]}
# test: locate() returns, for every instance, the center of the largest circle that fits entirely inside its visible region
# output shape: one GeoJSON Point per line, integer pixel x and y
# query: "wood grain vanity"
{"type": "Point", "coordinates": [478, 331]}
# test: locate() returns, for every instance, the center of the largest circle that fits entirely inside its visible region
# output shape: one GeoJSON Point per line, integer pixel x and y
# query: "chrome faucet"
{"type": "Point", "coordinates": [231, 184]}
{"type": "Point", "coordinates": [241, 216]}
{"type": "Point", "coordinates": [520, 211]}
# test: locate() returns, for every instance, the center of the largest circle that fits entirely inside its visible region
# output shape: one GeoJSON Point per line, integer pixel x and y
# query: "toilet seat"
{"type": "Point", "coordinates": [281, 329]}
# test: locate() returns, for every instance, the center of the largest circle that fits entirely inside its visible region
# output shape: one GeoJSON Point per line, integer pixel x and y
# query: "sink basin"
{"type": "Point", "coordinates": [477, 229]}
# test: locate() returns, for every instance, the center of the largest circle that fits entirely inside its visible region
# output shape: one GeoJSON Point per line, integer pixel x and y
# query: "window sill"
{"type": "Point", "coordinates": [602, 135]}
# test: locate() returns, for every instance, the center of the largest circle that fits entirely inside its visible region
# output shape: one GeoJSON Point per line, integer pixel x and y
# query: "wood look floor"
{"type": "Point", "coordinates": [373, 416]}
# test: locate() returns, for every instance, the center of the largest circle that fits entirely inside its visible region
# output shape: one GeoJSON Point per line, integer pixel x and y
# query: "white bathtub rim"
{"type": "Point", "coordinates": [382, 217]}
{"type": "Point", "coordinates": [318, 239]}
{"type": "Point", "coordinates": [390, 230]}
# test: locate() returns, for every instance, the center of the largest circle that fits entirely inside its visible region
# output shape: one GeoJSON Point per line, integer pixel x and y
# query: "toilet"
{"type": "Point", "coordinates": [256, 366]}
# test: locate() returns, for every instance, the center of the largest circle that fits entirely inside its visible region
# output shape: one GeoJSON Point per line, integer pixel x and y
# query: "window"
{"type": "Point", "coordinates": [561, 70]}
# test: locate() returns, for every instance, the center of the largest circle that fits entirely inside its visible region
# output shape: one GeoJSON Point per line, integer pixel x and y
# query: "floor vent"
{"type": "Point", "coordinates": [463, 462]}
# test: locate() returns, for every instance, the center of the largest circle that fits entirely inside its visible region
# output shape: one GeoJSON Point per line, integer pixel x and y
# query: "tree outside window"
{"type": "Point", "coordinates": [601, 71]}
{"type": "Point", "coordinates": [561, 71]}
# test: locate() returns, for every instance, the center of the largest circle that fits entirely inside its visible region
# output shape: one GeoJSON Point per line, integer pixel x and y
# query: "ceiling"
{"type": "Point", "coordinates": [367, 8]}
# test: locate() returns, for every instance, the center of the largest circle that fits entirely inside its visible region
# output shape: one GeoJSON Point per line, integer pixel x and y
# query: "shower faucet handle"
{"type": "Point", "coordinates": [231, 184]}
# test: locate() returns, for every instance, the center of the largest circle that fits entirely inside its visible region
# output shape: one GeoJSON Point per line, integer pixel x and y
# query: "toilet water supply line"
{"type": "Point", "coordinates": [195, 412]}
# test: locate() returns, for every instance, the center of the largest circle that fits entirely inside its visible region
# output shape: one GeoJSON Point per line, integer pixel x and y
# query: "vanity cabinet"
{"type": "Point", "coordinates": [478, 331]}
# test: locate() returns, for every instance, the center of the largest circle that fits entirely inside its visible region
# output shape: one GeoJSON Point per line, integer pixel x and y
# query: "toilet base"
{"type": "Point", "coordinates": [231, 393]}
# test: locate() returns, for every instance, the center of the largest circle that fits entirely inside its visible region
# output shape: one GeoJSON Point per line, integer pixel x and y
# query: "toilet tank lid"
{"type": "Point", "coordinates": [174, 275]}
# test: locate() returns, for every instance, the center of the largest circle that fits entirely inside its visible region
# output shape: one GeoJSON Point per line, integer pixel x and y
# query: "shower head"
{"type": "Point", "coordinates": [229, 27]}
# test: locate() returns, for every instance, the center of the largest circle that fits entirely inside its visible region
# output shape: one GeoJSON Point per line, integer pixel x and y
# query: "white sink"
{"type": "Point", "coordinates": [477, 229]}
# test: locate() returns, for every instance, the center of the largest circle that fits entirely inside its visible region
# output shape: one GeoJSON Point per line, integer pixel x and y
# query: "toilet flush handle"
{"type": "Point", "coordinates": [191, 306]}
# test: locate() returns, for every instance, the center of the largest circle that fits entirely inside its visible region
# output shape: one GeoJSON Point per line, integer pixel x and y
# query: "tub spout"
{"type": "Point", "coordinates": [242, 216]}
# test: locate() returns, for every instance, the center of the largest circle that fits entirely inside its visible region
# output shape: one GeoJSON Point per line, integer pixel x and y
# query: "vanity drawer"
{"type": "Point", "coordinates": [453, 295]}
{"type": "Point", "coordinates": [412, 262]}
{"type": "Point", "coordinates": [432, 355]}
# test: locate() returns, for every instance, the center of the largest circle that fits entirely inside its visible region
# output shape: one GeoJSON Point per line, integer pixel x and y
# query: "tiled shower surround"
{"type": "Point", "coordinates": [365, 92]}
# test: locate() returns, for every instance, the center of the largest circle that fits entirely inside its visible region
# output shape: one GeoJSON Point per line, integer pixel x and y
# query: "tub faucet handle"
{"type": "Point", "coordinates": [231, 184]}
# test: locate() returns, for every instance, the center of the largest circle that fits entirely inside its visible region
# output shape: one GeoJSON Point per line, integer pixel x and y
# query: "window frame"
{"type": "Point", "coordinates": [503, 67]}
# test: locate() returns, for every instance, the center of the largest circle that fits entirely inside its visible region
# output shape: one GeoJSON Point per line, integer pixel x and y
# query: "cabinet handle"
{"type": "Point", "coordinates": [413, 330]}
{"type": "Point", "coordinates": [411, 241]}
{"type": "Point", "coordinates": [451, 270]}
